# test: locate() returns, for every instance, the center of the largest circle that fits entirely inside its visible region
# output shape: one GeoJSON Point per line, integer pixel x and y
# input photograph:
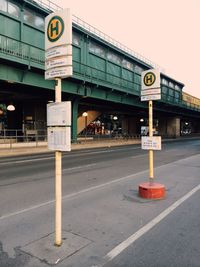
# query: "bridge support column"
{"type": "Point", "coordinates": [74, 119]}
{"type": "Point", "coordinates": [173, 127]}
{"type": "Point", "coordinates": [130, 126]}
{"type": "Point", "coordinates": [134, 126]}
{"type": "Point", "coordinates": [162, 127]}
{"type": "Point", "coordinates": [125, 125]}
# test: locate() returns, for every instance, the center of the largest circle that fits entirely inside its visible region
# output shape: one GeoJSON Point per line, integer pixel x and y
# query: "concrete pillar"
{"type": "Point", "coordinates": [133, 126]}
{"type": "Point", "coordinates": [130, 126]}
{"type": "Point", "coordinates": [162, 127]}
{"type": "Point", "coordinates": [125, 124]}
{"type": "Point", "coordinates": [173, 127]}
{"type": "Point", "coordinates": [74, 119]}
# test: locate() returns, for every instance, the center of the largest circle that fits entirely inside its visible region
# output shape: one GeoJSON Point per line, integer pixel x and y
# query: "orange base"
{"type": "Point", "coordinates": [151, 190]}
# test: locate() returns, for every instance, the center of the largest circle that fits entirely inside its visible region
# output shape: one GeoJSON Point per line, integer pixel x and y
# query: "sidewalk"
{"type": "Point", "coordinates": [31, 148]}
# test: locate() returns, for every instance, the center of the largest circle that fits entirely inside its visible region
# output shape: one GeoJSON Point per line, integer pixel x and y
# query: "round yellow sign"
{"type": "Point", "coordinates": [149, 78]}
{"type": "Point", "coordinates": [55, 28]}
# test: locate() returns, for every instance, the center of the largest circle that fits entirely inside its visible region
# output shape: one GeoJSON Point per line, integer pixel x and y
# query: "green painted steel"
{"type": "Point", "coordinates": [100, 70]}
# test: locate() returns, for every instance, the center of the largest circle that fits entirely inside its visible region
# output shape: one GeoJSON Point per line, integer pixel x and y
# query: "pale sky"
{"type": "Point", "coordinates": [164, 31]}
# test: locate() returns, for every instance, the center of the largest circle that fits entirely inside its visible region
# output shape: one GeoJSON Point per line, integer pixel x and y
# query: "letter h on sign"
{"type": "Point", "coordinates": [54, 28]}
{"type": "Point", "coordinates": [148, 79]}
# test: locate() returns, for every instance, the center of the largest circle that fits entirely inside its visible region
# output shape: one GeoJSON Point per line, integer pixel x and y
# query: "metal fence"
{"type": "Point", "coordinates": [21, 50]}
{"type": "Point", "coordinates": [15, 136]}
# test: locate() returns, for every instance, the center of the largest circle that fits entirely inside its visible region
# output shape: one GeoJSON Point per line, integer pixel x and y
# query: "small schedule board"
{"type": "Point", "coordinates": [59, 114]}
{"type": "Point", "coordinates": [151, 143]}
{"type": "Point", "coordinates": [59, 138]}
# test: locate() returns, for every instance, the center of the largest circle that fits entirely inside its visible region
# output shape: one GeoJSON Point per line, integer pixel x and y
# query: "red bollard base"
{"type": "Point", "coordinates": [151, 190]}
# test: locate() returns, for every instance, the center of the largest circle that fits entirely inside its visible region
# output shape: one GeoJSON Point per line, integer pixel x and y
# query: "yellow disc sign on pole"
{"type": "Point", "coordinates": [150, 85]}
{"type": "Point", "coordinates": [58, 65]}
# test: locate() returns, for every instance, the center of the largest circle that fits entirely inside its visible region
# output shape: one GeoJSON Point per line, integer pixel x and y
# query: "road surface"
{"type": "Point", "coordinates": [97, 214]}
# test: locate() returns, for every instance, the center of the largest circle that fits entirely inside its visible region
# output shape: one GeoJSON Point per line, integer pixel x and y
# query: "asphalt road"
{"type": "Point", "coordinates": [94, 184]}
{"type": "Point", "coordinates": [174, 242]}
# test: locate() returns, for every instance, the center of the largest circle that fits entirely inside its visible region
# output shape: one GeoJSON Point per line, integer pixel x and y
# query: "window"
{"type": "Point", "coordinates": [171, 85]}
{"type": "Point", "coordinates": [76, 39]}
{"type": "Point", "coordinates": [96, 49]}
{"type": "Point", "coordinates": [113, 57]}
{"type": "Point", "coordinates": [28, 16]}
{"type": "Point", "coordinates": [138, 69]}
{"type": "Point", "coordinates": [3, 5]}
{"type": "Point", "coordinates": [127, 64]}
{"type": "Point", "coordinates": [39, 21]}
{"type": "Point", "coordinates": [13, 10]}
{"type": "Point", "coordinates": [164, 81]}
{"type": "Point", "coordinates": [171, 92]}
{"type": "Point", "coordinates": [177, 87]}
{"type": "Point", "coordinates": [34, 19]}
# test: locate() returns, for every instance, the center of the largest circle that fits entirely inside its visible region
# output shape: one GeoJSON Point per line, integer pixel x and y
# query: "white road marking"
{"type": "Point", "coordinates": [73, 195]}
{"type": "Point", "coordinates": [129, 241]}
{"type": "Point", "coordinates": [80, 167]}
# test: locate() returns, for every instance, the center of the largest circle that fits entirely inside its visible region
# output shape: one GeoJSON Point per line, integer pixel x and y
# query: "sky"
{"type": "Point", "coordinates": [164, 31]}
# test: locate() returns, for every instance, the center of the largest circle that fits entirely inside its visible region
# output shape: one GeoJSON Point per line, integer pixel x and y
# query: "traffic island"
{"type": "Point", "coordinates": [150, 190]}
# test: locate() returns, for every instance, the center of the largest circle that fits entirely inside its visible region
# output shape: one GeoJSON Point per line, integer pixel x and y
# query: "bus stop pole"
{"type": "Point", "coordinates": [58, 179]}
{"type": "Point", "coordinates": [151, 171]}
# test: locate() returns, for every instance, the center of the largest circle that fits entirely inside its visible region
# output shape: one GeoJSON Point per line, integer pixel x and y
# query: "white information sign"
{"type": "Point", "coordinates": [60, 72]}
{"type": "Point", "coordinates": [153, 143]}
{"type": "Point", "coordinates": [58, 29]}
{"type": "Point", "coordinates": [59, 138]}
{"type": "Point", "coordinates": [150, 85]}
{"type": "Point", "coordinates": [58, 62]}
{"type": "Point", "coordinates": [151, 91]}
{"type": "Point", "coordinates": [59, 114]}
{"type": "Point", "coordinates": [58, 51]}
{"type": "Point", "coordinates": [150, 97]}
{"type": "Point", "coordinates": [58, 45]}
{"type": "Point", "coordinates": [150, 79]}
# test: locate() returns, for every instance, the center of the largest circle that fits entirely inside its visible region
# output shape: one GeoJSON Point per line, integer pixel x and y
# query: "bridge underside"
{"type": "Point", "coordinates": [30, 93]}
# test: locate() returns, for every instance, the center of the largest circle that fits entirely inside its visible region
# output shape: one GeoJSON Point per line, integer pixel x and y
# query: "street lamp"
{"type": "Point", "coordinates": [85, 114]}
{"type": "Point", "coordinates": [10, 107]}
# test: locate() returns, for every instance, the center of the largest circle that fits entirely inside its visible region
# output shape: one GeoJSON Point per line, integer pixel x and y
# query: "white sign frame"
{"type": "Point", "coordinates": [155, 84]}
{"type": "Point", "coordinates": [151, 92]}
{"type": "Point", "coordinates": [59, 114]}
{"type": "Point", "coordinates": [59, 138]}
{"type": "Point", "coordinates": [58, 45]}
{"type": "Point", "coordinates": [150, 97]}
{"type": "Point", "coordinates": [66, 36]}
{"type": "Point", "coordinates": [151, 143]}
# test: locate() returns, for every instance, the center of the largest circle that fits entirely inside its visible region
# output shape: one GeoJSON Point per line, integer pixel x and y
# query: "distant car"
{"type": "Point", "coordinates": [186, 131]}
{"type": "Point", "coordinates": [145, 131]}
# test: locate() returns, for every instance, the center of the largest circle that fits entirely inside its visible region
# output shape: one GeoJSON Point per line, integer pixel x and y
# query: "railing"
{"type": "Point", "coordinates": [14, 136]}
{"type": "Point", "coordinates": [47, 4]}
{"type": "Point", "coordinates": [21, 50]}
{"type": "Point", "coordinates": [30, 53]}
{"type": "Point", "coordinates": [94, 75]}
{"type": "Point", "coordinates": [53, 7]}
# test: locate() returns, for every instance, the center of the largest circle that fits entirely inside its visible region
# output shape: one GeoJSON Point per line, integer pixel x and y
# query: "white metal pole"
{"type": "Point", "coordinates": [58, 179]}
